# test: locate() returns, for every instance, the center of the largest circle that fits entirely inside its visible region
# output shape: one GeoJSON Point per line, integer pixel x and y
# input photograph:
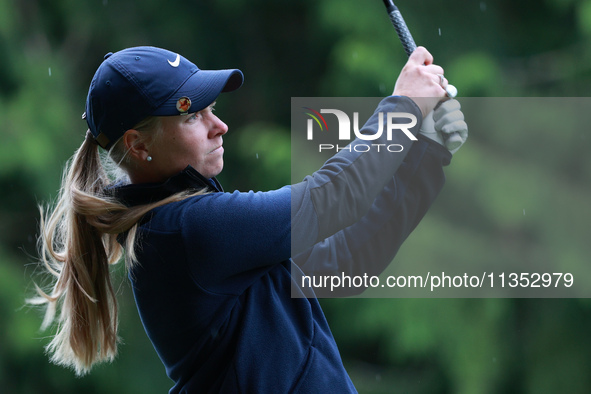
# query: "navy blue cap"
{"type": "Point", "coordinates": [135, 83]}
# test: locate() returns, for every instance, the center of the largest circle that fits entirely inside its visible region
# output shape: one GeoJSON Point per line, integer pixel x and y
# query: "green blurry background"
{"type": "Point", "coordinates": [50, 49]}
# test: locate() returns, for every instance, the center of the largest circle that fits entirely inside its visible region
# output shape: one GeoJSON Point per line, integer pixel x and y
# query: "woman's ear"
{"type": "Point", "coordinates": [135, 145]}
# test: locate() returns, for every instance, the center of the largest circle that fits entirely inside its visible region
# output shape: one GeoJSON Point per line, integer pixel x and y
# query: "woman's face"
{"type": "Point", "coordinates": [193, 139]}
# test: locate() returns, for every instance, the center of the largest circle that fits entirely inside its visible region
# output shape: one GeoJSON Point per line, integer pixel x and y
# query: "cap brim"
{"type": "Point", "coordinates": [203, 88]}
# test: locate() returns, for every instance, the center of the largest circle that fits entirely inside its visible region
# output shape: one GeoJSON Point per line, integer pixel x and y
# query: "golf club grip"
{"type": "Point", "coordinates": [452, 140]}
{"type": "Point", "coordinates": [408, 43]}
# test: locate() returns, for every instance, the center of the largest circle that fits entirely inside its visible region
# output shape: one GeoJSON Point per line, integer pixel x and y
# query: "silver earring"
{"type": "Point", "coordinates": [149, 158]}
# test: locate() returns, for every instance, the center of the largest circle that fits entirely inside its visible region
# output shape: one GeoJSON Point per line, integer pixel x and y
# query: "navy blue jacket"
{"type": "Point", "coordinates": [214, 281]}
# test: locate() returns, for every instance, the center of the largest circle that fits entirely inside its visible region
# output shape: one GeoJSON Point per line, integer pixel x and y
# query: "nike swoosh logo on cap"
{"type": "Point", "coordinates": [176, 62]}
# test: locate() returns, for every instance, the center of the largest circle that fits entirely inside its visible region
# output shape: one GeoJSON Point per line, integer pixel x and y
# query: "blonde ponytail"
{"type": "Point", "coordinates": [77, 243]}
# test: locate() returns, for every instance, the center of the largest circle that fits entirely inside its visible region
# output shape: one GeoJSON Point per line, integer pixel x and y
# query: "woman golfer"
{"type": "Point", "coordinates": [211, 271]}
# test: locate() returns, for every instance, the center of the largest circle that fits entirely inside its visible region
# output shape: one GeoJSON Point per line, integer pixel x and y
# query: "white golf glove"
{"type": "Point", "coordinates": [446, 125]}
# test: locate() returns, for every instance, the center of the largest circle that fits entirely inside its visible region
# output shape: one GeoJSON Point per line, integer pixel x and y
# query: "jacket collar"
{"type": "Point", "coordinates": [146, 193]}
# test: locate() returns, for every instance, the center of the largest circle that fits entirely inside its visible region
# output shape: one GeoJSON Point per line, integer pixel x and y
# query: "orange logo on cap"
{"type": "Point", "coordinates": [183, 104]}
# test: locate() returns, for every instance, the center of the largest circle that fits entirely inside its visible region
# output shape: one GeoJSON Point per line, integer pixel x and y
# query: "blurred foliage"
{"type": "Point", "coordinates": [304, 48]}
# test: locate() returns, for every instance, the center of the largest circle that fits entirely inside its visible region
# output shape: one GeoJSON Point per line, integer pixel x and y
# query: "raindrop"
{"type": "Point", "coordinates": [105, 2]}
{"type": "Point", "coordinates": [440, 31]}
{"type": "Point", "coordinates": [482, 6]}
{"type": "Point", "coordinates": [49, 69]}
{"type": "Point", "coordinates": [257, 156]}
{"type": "Point", "coordinates": [523, 211]}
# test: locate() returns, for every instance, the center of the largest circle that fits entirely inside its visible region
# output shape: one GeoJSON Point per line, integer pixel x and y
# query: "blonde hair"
{"type": "Point", "coordinates": [77, 244]}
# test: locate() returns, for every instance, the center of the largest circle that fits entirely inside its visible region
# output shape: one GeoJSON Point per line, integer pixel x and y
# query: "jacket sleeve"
{"type": "Point", "coordinates": [342, 191]}
{"type": "Point", "coordinates": [370, 244]}
{"type": "Point", "coordinates": [238, 233]}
